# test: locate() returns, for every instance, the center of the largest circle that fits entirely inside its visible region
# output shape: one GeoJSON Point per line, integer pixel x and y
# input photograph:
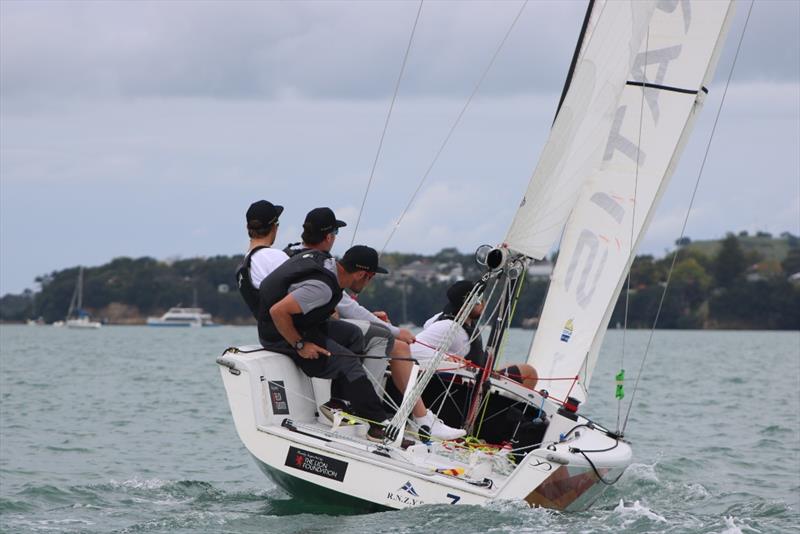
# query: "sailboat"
{"type": "Point", "coordinates": [638, 79]}
{"type": "Point", "coordinates": [77, 317]}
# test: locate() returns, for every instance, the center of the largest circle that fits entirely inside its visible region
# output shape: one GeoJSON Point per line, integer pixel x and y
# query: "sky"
{"type": "Point", "coordinates": [147, 128]}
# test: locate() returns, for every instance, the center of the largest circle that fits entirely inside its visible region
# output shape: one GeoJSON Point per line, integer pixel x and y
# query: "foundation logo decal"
{"type": "Point", "coordinates": [566, 333]}
{"type": "Point", "coordinates": [317, 464]}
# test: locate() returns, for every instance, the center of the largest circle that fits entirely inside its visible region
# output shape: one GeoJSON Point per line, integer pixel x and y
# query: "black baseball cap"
{"type": "Point", "coordinates": [457, 293]}
{"type": "Point", "coordinates": [322, 221]}
{"type": "Point", "coordinates": [363, 258]}
{"type": "Point", "coordinates": [264, 212]}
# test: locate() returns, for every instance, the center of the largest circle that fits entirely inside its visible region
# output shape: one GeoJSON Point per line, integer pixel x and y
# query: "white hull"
{"type": "Point", "coordinates": [274, 411]}
{"type": "Point", "coordinates": [172, 324]}
{"type": "Point", "coordinates": [82, 324]}
{"type": "Point", "coordinates": [182, 318]}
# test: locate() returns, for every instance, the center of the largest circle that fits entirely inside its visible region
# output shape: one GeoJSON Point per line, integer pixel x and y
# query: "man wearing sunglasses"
{"type": "Point", "coordinates": [320, 229]}
{"type": "Point", "coordinates": [380, 337]}
{"type": "Point", "coordinates": [296, 302]}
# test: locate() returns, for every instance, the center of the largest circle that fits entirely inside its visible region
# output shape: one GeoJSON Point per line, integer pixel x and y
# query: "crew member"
{"type": "Point", "coordinates": [465, 343]}
{"type": "Point", "coordinates": [260, 260]}
{"type": "Point", "coordinates": [296, 302]}
{"type": "Point", "coordinates": [380, 336]}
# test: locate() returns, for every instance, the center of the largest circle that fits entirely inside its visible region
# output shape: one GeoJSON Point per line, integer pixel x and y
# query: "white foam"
{"type": "Point", "coordinates": [697, 491]}
{"type": "Point", "coordinates": [643, 472]}
{"type": "Point", "coordinates": [732, 528]}
{"type": "Point", "coordinates": [638, 510]}
{"type": "Point", "coordinates": [136, 483]}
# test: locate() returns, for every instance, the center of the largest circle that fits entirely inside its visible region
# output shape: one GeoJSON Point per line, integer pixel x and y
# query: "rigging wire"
{"type": "Point", "coordinates": [453, 127]}
{"type": "Point", "coordinates": [633, 223]}
{"type": "Point", "coordinates": [686, 218]}
{"type": "Point", "coordinates": [386, 123]}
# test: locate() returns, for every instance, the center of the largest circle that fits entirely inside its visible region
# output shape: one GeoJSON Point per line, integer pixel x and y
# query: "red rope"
{"type": "Point", "coordinates": [468, 364]}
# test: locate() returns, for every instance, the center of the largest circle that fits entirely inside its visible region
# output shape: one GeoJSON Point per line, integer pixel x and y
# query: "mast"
{"type": "Point", "coordinates": [578, 48]}
{"type": "Point", "coordinates": [80, 290]}
{"type": "Point", "coordinates": [512, 277]}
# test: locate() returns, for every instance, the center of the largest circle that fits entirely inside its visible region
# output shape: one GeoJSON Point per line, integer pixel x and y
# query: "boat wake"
{"type": "Point", "coordinates": [635, 511]}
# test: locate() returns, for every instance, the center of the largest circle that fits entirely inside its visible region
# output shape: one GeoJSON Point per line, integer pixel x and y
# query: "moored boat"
{"type": "Point", "coordinates": [77, 317]}
{"type": "Point", "coordinates": [182, 317]}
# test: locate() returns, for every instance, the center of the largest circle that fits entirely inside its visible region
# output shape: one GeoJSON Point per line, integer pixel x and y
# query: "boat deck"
{"type": "Point", "coordinates": [452, 463]}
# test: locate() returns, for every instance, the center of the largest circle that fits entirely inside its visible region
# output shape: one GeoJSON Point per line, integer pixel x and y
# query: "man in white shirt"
{"type": "Point", "coordinates": [260, 260]}
{"type": "Point", "coordinates": [464, 343]}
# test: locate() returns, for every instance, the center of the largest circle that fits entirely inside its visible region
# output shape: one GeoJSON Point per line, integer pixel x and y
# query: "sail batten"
{"type": "Point", "coordinates": [660, 97]}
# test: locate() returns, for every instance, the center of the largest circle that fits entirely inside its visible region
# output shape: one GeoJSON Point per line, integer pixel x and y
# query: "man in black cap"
{"type": "Point", "coordinates": [296, 301]}
{"type": "Point", "coordinates": [260, 260]}
{"type": "Point", "coordinates": [319, 231]}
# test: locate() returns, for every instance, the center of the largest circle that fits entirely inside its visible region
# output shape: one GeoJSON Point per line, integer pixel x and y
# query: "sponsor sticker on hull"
{"type": "Point", "coordinates": [277, 395]}
{"type": "Point", "coordinates": [317, 464]}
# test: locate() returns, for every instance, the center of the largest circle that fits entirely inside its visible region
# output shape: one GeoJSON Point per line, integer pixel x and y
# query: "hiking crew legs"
{"type": "Point", "coordinates": [378, 341]}
{"type": "Point", "coordinates": [343, 366]}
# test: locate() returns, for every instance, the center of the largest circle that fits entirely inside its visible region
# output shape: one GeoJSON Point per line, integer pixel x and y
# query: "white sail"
{"type": "Point", "coordinates": [676, 61]}
{"type": "Point", "coordinates": [577, 140]}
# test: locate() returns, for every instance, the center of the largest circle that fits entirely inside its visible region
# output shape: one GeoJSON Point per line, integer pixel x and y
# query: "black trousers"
{"type": "Point", "coordinates": [349, 380]}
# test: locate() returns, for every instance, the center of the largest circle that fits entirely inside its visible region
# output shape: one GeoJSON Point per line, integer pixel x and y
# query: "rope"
{"type": "Point", "coordinates": [419, 386]}
{"type": "Point", "coordinates": [633, 218]}
{"type": "Point", "coordinates": [453, 127]}
{"type": "Point", "coordinates": [386, 123]}
{"type": "Point", "coordinates": [686, 218]}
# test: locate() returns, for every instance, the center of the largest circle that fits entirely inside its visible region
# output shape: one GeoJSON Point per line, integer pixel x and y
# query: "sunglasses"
{"type": "Point", "coordinates": [335, 231]}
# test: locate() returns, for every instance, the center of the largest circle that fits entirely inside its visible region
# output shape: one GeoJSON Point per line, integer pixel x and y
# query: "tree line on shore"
{"type": "Point", "coordinates": [738, 282]}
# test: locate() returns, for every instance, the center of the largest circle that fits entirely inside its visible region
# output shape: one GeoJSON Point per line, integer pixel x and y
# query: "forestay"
{"type": "Point", "coordinates": [578, 137]}
{"type": "Point", "coordinates": [676, 61]}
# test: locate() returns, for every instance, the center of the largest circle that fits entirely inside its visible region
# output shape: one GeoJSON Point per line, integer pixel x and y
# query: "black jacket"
{"type": "Point", "coordinates": [309, 265]}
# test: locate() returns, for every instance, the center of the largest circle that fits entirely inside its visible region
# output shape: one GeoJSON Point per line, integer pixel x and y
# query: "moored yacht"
{"type": "Point", "coordinates": [77, 317]}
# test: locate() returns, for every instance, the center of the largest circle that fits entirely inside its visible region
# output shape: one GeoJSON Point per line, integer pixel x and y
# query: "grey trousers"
{"type": "Point", "coordinates": [349, 379]}
{"type": "Point", "coordinates": [378, 341]}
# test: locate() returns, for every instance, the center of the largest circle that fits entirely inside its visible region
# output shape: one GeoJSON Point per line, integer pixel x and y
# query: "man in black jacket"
{"type": "Point", "coordinates": [296, 302]}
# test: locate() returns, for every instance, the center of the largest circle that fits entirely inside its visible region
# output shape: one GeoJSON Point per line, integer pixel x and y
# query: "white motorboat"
{"type": "Point", "coordinates": [638, 79]}
{"type": "Point", "coordinates": [77, 317]}
{"type": "Point", "coordinates": [182, 317]}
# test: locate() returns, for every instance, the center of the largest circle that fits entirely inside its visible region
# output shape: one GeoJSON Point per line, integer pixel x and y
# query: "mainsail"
{"type": "Point", "coordinates": [584, 120]}
{"type": "Point", "coordinates": [663, 92]}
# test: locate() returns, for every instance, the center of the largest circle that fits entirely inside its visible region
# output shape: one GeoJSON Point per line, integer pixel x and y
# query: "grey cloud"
{"type": "Point", "coordinates": [255, 49]}
{"type": "Point", "coordinates": [348, 50]}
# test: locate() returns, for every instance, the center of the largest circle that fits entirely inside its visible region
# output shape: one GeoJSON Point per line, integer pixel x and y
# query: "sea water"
{"type": "Point", "coordinates": [127, 429]}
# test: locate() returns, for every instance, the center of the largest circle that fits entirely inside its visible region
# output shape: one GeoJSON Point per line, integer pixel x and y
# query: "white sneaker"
{"type": "Point", "coordinates": [435, 428]}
